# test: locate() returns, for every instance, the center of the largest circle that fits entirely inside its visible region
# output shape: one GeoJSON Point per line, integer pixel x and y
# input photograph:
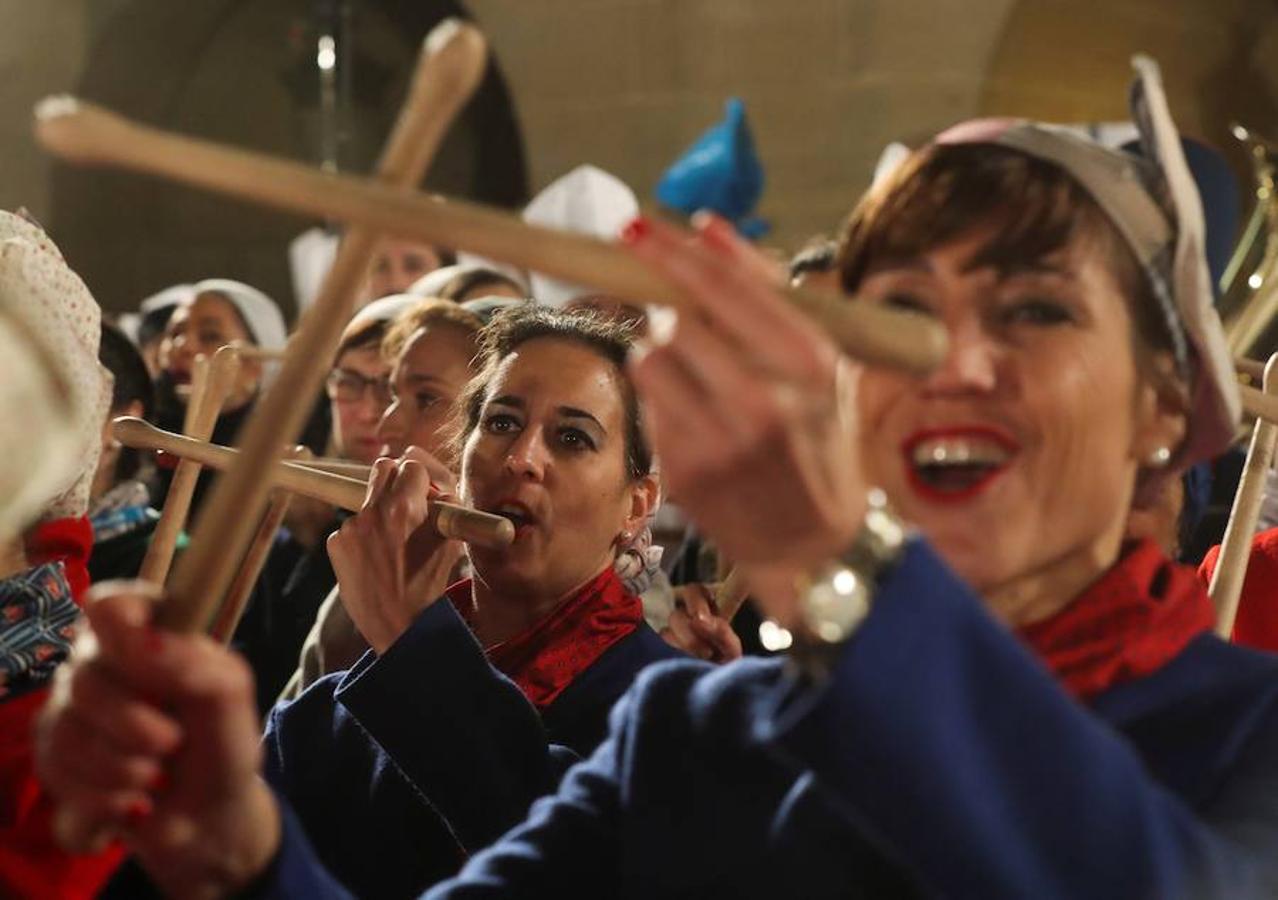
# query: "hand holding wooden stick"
{"type": "Point", "coordinates": [451, 520]}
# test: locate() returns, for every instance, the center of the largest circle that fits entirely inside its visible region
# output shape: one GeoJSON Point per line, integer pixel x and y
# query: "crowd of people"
{"type": "Point", "coordinates": [999, 676]}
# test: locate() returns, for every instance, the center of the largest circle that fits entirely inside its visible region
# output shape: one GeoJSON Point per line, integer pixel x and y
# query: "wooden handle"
{"type": "Point", "coordinates": [1235, 547]}
{"type": "Point", "coordinates": [241, 589]}
{"type": "Point", "coordinates": [731, 594]}
{"type": "Point", "coordinates": [1257, 404]}
{"type": "Point", "coordinates": [445, 81]}
{"type": "Point", "coordinates": [450, 520]}
{"type": "Point", "coordinates": [1253, 368]}
{"type": "Point", "coordinates": [79, 132]}
{"type": "Point", "coordinates": [339, 467]}
{"type": "Point", "coordinates": [212, 382]}
{"type": "Point", "coordinates": [254, 352]}
{"type": "Point", "coordinates": [471, 526]}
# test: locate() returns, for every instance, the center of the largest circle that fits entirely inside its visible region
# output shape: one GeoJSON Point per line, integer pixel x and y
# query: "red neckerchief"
{"type": "Point", "coordinates": [548, 656]}
{"type": "Point", "coordinates": [68, 541]}
{"type": "Point", "coordinates": [1129, 624]}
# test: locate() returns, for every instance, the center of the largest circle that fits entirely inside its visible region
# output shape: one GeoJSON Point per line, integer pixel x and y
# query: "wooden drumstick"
{"type": "Point", "coordinates": [1253, 368]}
{"type": "Point", "coordinates": [237, 595]}
{"type": "Point", "coordinates": [453, 61]}
{"type": "Point", "coordinates": [195, 391]}
{"type": "Point", "coordinates": [211, 384]}
{"type": "Point", "coordinates": [731, 594]}
{"type": "Point", "coordinates": [450, 520]}
{"type": "Point", "coordinates": [84, 134]}
{"type": "Point", "coordinates": [339, 467]}
{"type": "Point", "coordinates": [1235, 548]}
{"type": "Point", "coordinates": [1258, 404]}
{"type": "Point", "coordinates": [254, 352]}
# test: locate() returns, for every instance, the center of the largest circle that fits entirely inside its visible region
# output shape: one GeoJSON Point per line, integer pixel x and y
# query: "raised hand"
{"type": "Point", "coordinates": [390, 562]}
{"type": "Point", "coordinates": [153, 737]}
{"type": "Point", "coordinates": [751, 407]}
{"type": "Point", "coordinates": [696, 628]}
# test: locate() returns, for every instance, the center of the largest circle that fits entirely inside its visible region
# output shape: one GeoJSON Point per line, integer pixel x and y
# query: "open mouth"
{"type": "Point", "coordinates": [518, 514]}
{"type": "Point", "coordinates": [955, 464]}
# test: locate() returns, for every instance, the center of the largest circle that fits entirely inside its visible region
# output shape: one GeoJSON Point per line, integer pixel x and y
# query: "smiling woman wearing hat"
{"type": "Point", "coordinates": [1014, 702]}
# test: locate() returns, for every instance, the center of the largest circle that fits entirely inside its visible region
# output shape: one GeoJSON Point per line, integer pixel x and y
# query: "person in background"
{"type": "Point", "coordinates": [468, 281]}
{"type": "Point", "coordinates": [43, 573]}
{"type": "Point", "coordinates": [430, 348]}
{"type": "Point", "coordinates": [398, 263]}
{"type": "Point", "coordinates": [120, 508]}
{"type": "Point", "coordinates": [211, 314]}
{"type": "Point", "coordinates": [548, 435]}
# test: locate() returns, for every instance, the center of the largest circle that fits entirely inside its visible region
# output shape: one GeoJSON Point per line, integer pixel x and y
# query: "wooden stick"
{"type": "Point", "coordinates": [731, 594]}
{"type": "Point", "coordinates": [196, 392]}
{"type": "Point", "coordinates": [453, 61]}
{"type": "Point", "coordinates": [1257, 404]}
{"type": "Point", "coordinates": [84, 134]}
{"type": "Point", "coordinates": [1254, 368]}
{"type": "Point", "coordinates": [254, 352]}
{"type": "Point", "coordinates": [450, 520]}
{"type": "Point", "coordinates": [211, 384]}
{"type": "Point", "coordinates": [237, 595]}
{"type": "Point", "coordinates": [339, 467]}
{"type": "Point", "coordinates": [1235, 548]}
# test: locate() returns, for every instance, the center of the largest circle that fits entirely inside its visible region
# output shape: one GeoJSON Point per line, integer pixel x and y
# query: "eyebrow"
{"type": "Point", "coordinates": [568, 412]}
{"type": "Point", "coordinates": [1004, 269]}
{"type": "Point", "coordinates": [424, 379]}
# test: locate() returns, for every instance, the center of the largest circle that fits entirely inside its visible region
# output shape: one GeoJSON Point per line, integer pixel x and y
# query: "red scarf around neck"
{"type": "Point", "coordinates": [548, 656]}
{"type": "Point", "coordinates": [1130, 623]}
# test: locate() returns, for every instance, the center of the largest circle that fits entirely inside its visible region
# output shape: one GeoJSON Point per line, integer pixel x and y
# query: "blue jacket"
{"type": "Point", "coordinates": [402, 766]}
{"type": "Point", "coordinates": [939, 759]}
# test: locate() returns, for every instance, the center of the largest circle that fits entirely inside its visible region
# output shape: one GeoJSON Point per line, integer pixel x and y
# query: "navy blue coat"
{"type": "Point", "coordinates": [402, 766]}
{"type": "Point", "coordinates": [940, 759]}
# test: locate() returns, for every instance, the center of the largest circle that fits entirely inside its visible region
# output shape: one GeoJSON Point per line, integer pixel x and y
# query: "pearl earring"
{"type": "Point", "coordinates": [1160, 457]}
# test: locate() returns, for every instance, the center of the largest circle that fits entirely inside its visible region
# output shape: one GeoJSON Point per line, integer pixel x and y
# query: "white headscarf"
{"type": "Point", "coordinates": [587, 200]}
{"type": "Point", "coordinates": [55, 307]}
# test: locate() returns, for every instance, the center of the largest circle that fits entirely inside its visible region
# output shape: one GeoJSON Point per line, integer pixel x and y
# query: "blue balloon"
{"type": "Point", "coordinates": [720, 172]}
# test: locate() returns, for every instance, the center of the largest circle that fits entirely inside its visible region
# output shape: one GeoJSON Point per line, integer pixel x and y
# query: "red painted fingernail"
{"type": "Point", "coordinates": [636, 230]}
{"type": "Point", "coordinates": [137, 813]}
{"type": "Point", "coordinates": [153, 640]}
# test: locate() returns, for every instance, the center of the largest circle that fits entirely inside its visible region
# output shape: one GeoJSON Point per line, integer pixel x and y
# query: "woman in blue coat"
{"type": "Point", "coordinates": [1023, 704]}
{"type": "Point", "coordinates": [438, 740]}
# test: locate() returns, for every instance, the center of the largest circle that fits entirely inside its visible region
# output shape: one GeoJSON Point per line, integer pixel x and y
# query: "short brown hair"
{"type": "Point", "coordinates": [427, 313]}
{"type": "Point", "coordinates": [1036, 208]}
{"type": "Point", "coordinates": [514, 327]}
{"type": "Point", "coordinates": [368, 334]}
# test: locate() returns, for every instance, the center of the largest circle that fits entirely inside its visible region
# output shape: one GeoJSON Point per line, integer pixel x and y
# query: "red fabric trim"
{"type": "Point", "coordinates": [1130, 623]}
{"type": "Point", "coordinates": [1256, 624]}
{"type": "Point", "coordinates": [547, 657]}
{"type": "Point", "coordinates": [69, 541]}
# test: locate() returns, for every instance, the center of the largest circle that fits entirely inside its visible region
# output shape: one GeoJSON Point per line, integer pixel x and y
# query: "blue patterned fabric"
{"type": "Point", "coordinates": [37, 618]}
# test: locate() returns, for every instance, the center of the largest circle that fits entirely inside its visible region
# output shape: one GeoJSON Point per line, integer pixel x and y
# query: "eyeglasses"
{"type": "Point", "coordinates": [346, 386]}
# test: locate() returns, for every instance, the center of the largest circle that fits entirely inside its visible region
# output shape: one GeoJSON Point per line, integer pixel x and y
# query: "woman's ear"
{"type": "Point", "coordinates": [248, 380]}
{"type": "Point", "coordinates": [644, 493]}
{"type": "Point", "coordinates": [1162, 415]}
